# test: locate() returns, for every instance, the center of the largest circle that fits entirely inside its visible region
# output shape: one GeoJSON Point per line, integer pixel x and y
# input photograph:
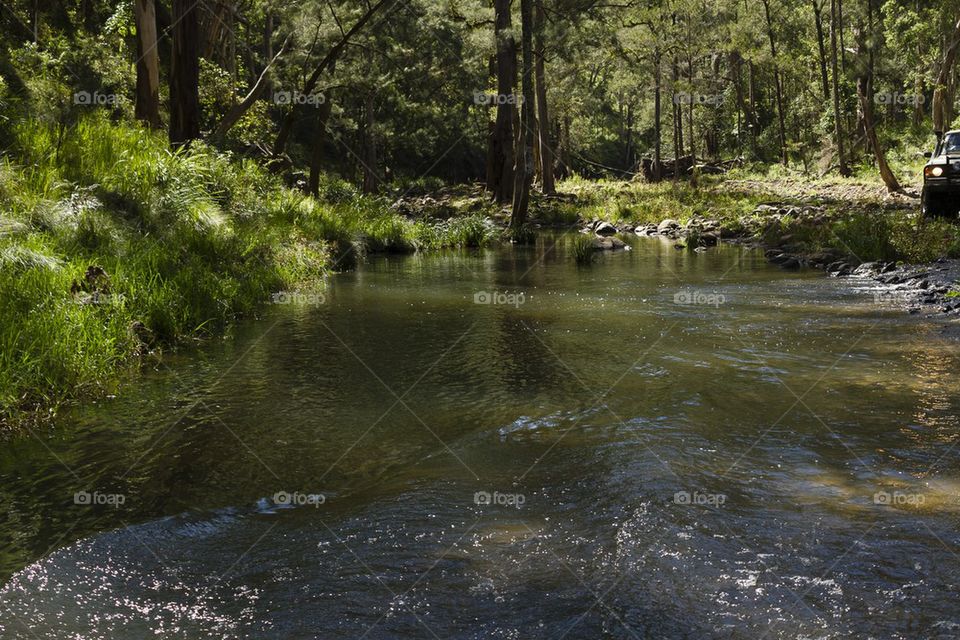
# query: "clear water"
{"type": "Point", "coordinates": [778, 462]}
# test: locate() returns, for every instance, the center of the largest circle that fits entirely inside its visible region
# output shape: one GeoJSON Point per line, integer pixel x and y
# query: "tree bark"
{"type": "Point", "coordinates": [185, 74]}
{"type": "Point", "coordinates": [821, 48]}
{"type": "Point", "coordinates": [548, 184]}
{"type": "Point", "coordinates": [147, 108]}
{"type": "Point", "coordinates": [524, 165]}
{"type": "Point", "coordinates": [865, 94]}
{"type": "Point", "coordinates": [837, 118]}
{"type": "Point", "coordinates": [657, 117]}
{"type": "Point", "coordinates": [778, 83]}
{"type": "Point", "coordinates": [502, 138]}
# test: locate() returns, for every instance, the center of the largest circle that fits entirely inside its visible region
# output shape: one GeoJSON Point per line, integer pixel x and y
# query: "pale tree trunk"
{"type": "Point", "coordinates": [677, 124]}
{"type": "Point", "coordinates": [690, 130]}
{"type": "Point", "coordinates": [837, 117]}
{"type": "Point", "coordinates": [148, 64]}
{"type": "Point", "coordinates": [502, 138]}
{"type": "Point", "coordinates": [865, 94]}
{"type": "Point", "coordinates": [524, 163]}
{"type": "Point", "coordinates": [657, 116]}
{"type": "Point", "coordinates": [185, 74]}
{"type": "Point", "coordinates": [941, 91]}
{"type": "Point", "coordinates": [778, 83]}
{"type": "Point", "coordinates": [548, 184]}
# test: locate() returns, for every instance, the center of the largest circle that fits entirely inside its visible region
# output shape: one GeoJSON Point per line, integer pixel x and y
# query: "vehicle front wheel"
{"type": "Point", "coordinates": [932, 206]}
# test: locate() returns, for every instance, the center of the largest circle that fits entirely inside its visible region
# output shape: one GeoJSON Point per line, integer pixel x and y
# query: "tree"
{"type": "Point", "coordinates": [185, 74]}
{"type": "Point", "coordinates": [500, 174]}
{"type": "Point", "coordinates": [147, 106]}
{"type": "Point", "coordinates": [778, 84]}
{"type": "Point", "coordinates": [835, 72]}
{"type": "Point", "coordinates": [523, 171]}
{"type": "Point", "coordinates": [941, 107]}
{"type": "Point", "coordinates": [548, 185]}
{"type": "Point", "coordinates": [865, 50]}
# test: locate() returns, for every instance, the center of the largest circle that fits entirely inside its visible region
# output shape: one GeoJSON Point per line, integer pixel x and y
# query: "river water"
{"type": "Point", "coordinates": [501, 444]}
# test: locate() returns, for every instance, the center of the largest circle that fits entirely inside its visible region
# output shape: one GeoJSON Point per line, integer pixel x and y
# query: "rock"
{"type": "Point", "coordinates": [791, 263]}
{"type": "Point", "coordinates": [727, 232]}
{"type": "Point", "coordinates": [781, 259]}
{"type": "Point", "coordinates": [867, 269]}
{"type": "Point", "coordinates": [667, 226]}
{"type": "Point", "coordinates": [609, 244]}
{"type": "Point", "coordinates": [605, 229]}
{"type": "Point", "coordinates": [646, 230]}
{"type": "Point", "coordinates": [709, 239]}
{"type": "Point", "coordinates": [771, 253]}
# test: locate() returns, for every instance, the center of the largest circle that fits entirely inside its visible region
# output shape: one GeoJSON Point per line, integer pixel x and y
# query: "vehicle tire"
{"type": "Point", "coordinates": [931, 206]}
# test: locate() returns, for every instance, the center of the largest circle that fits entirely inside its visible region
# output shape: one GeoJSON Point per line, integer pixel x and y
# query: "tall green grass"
{"type": "Point", "coordinates": [187, 240]}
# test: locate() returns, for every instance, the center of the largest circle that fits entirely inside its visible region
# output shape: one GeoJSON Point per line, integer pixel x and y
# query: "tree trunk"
{"type": "Point", "coordinates": [316, 157]}
{"type": "Point", "coordinates": [821, 48]}
{"type": "Point", "coordinates": [524, 164]}
{"type": "Point", "coordinates": [543, 114]}
{"type": "Point", "coordinates": [185, 74]}
{"type": "Point", "coordinates": [148, 64]}
{"type": "Point", "coordinates": [837, 118]}
{"type": "Point", "coordinates": [371, 175]}
{"type": "Point", "coordinates": [778, 83]}
{"type": "Point", "coordinates": [940, 92]}
{"type": "Point", "coordinates": [690, 130]}
{"type": "Point", "coordinates": [677, 123]}
{"type": "Point", "coordinates": [657, 116]}
{"type": "Point", "coordinates": [865, 94]}
{"type": "Point", "coordinates": [502, 139]}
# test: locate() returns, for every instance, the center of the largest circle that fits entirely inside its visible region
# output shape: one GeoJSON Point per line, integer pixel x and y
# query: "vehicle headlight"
{"type": "Point", "coordinates": [935, 172]}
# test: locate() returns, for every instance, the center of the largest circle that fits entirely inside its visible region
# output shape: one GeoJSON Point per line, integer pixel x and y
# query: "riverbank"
{"type": "Point", "coordinates": [113, 248]}
{"type": "Point", "coordinates": [845, 227]}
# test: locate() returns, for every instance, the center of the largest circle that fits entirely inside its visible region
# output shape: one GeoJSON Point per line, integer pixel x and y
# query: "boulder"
{"type": "Point", "coordinates": [605, 229]}
{"type": "Point", "coordinates": [667, 226]}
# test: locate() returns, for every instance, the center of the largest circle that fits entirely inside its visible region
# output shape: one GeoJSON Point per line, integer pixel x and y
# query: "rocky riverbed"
{"type": "Point", "coordinates": [929, 288]}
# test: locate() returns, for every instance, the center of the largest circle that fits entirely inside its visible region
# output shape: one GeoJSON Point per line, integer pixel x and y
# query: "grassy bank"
{"type": "Point", "coordinates": [111, 246]}
{"type": "Point", "coordinates": [856, 217]}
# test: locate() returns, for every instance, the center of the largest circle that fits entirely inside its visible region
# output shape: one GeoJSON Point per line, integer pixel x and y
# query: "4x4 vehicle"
{"type": "Point", "coordinates": [941, 178]}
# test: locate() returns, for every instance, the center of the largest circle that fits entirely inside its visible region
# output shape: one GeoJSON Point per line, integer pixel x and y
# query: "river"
{"type": "Point", "coordinates": [502, 444]}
